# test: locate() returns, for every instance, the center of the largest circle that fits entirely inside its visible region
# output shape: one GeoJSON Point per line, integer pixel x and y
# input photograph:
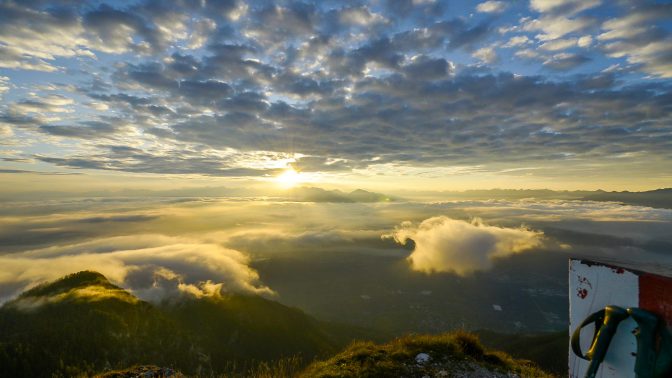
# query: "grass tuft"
{"type": "Point", "coordinates": [449, 352]}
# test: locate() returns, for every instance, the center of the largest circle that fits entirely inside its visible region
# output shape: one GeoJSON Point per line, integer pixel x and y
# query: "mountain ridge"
{"type": "Point", "coordinates": [55, 329]}
{"type": "Point", "coordinates": [315, 194]}
{"type": "Point", "coordinates": [657, 198]}
{"type": "Point", "coordinates": [230, 335]}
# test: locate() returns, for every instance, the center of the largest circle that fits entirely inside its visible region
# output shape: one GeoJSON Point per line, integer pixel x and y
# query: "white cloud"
{"type": "Point", "coordinates": [558, 44]}
{"type": "Point", "coordinates": [11, 57]}
{"type": "Point", "coordinates": [628, 26]}
{"type": "Point", "coordinates": [584, 41]}
{"type": "Point", "coordinates": [631, 37]}
{"type": "Point", "coordinates": [100, 106]}
{"type": "Point", "coordinates": [55, 100]}
{"type": "Point", "coordinates": [5, 131]}
{"type": "Point", "coordinates": [486, 55]}
{"type": "Point", "coordinates": [559, 17]}
{"type": "Point", "coordinates": [30, 38]}
{"type": "Point", "coordinates": [651, 56]}
{"type": "Point", "coordinates": [554, 27]}
{"type": "Point", "coordinates": [42, 104]}
{"type": "Point", "coordinates": [491, 7]}
{"type": "Point", "coordinates": [564, 6]}
{"type": "Point", "coordinates": [527, 54]}
{"type": "Point", "coordinates": [4, 85]}
{"type": "Point", "coordinates": [360, 16]}
{"type": "Point", "coordinates": [565, 61]}
{"type": "Point", "coordinates": [517, 41]}
{"type": "Point", "coordinates": [444, 244]}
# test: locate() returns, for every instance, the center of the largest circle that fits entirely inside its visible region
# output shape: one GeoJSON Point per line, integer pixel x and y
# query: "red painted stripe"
{"type": "Point", "coordinates": [655, 295]}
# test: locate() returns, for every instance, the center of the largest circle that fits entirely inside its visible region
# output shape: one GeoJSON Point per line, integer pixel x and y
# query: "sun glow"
{"type": "Point", "coordinates": [290, 178]}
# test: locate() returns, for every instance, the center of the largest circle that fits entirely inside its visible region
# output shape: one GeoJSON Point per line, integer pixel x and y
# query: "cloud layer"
{"type": "Point", "coordinates": [153, 267]}
{"type": "Point", "coordinates": [160, 248]}
{"type": "Point", "coordinates": [443, 244]}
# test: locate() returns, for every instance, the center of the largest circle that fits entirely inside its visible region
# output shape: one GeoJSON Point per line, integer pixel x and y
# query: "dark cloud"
{"type": "Point", "coordinates": [564, 61]}
{"type": "Point", "coordinates": [603, 81]}
{"type": "Point", "coordinates": [120, 218]}
{"type": "Point", "coordinates": [206, 91]}
{"type": "Point", "coordinates": [19, 120]}
{"type": "Point", "coordinates": [223, 6]}
{"type": "Point", "coordinates": [149, 75]}
{"type": "Point", "coordinates": [379, 51]}
{"type": "Point", "coordinates": [130, 159]}
{"type": "Point", "coordinates": [321, 164]}
{"type": "Point", "coordinates": [467, 37]}
{"type": "Point", "coordinates": [426, 68]}
{"type": "Point", "coordinates": [304, 85]}
{"type": "Point", "coordinates": [21, 171]}
{"type": "Point", "coordinates": [132, 100]}
{"type": "Point", "coordinates": [422, 11]}
{"type": "Point", "coordinates": [183, 65]}
{"type": "Point", "coordinates": [276, 23]}
{"type": "Point", "coordinates": [87, 130]}
{"type": "Point", "coordinates": [110, 28]}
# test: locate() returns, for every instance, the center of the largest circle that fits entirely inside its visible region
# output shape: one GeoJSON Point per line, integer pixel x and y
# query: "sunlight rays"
{"type": "Point", "coordinates": [290, 178]}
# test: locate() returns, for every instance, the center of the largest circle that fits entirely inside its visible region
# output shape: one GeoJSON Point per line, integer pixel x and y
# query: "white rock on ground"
{"type": "Point", "coordinates": [422, 358]}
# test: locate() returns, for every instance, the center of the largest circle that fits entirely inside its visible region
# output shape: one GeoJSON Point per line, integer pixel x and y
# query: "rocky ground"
{"type": "Point", "coordinates": [149, 371]}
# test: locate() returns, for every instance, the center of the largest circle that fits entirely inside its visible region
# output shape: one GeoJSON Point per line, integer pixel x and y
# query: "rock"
{"type": "Point", "coordinates": [422, 358]}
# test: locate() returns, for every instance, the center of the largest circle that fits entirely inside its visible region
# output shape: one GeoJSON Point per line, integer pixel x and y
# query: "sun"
{"type": "Point", "coordinates": [289, 178]}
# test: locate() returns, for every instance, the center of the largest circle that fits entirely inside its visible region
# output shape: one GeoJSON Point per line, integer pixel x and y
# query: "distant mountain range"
{"type": "Point", "coordinates": [312, 194]}
{"type": "Point", "coordinates": [659, 198]}
{"type": "Point", "coordinates": [301, 194]}
{"type": "Point", "coordinates": [82, 324]}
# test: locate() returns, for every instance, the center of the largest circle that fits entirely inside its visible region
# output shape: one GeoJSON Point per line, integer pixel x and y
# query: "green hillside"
{"type": "Point", "coordinates": [83, 324]}
{"type": "Point", "coordinates": [245, 327]}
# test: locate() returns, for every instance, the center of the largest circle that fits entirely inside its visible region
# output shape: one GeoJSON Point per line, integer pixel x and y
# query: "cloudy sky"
{"type": "Point", "coordinates": [564, 94]}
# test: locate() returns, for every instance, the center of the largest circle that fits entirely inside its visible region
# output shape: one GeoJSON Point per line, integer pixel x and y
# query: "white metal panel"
{"type": "Point", "coordinates": [591, 288]}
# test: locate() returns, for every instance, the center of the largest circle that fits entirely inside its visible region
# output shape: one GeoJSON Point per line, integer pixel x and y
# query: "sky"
{"type": "Point", "coordinates": [420, 94]}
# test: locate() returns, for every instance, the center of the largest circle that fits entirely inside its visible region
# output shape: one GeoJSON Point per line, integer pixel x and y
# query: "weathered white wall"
{"type": "Point", "coordinates": [591, 288]}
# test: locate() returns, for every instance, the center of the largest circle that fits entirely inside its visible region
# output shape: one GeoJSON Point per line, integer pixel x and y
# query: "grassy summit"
{"type": "Point", "coordinates": [447, 355]}
{"type": "Point", "coordinates": [84, 286]}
